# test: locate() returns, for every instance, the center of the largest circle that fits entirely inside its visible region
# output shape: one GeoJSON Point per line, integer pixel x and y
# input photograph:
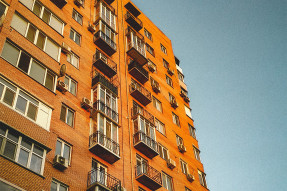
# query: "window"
{"type": "Point", "coordinates": [179, 140]}
{"type": "Point", "coordinates": [3, 8]}
{"type": "Point", "coordinates": [163, 152]}
{"type": "Point", "coordinates": [151, 66]}
{"type": "Point", "coordinates": [171, 98]}
{"type": "Point", "coordinates": [163, 49]}
{"type": "Point", "coordinates": [196, 153]}
{"type": "Point", "coordinates": [150, 49]}
{"type": "Point", "coordinates": [157, 104]}
{"type": "Point", "coordinates": [75, 36]}
{"type": "Point", "coordinates": [106, 34]}
{"type": "Point", "coordinates": [77, 17]}
{"type": "Point", "coordinates": [184, 167]}
{"type": "Point", "coordinates": [25, 104]}
{"type": "Point", "coordinates": [58, 186]}
{"type": "Point", "coordinates": [169, 81]}
{"type": "Point", "coordinates": [202, 178]}
{"type": "Point", "coordinates": [21, 149]}
{"type": "Point", "coordinates": [167, 182]}
{"type": "Point", "coordinates": [180, 76]}
{"type": "Point", "coordinates": [155, 85]}
{"type": "Point", "coordinates": [67, 115]}
{"type": "Point", "coordinates": [72, 85]}
{"type": "Point", "coordinates": [34, 35]}
{"type": "Point", "coordinates": [73, 59]}
{"type": "Point", "coordinates": [107, 15]}
{"type": "Point", "coordinates": [160, 126]}
{"type": "Point", "coordinates": [142, 165]}
{"type": "Point", "coordinates": [29, 65]}
{"type": "Point", "coordinates": [165, 63]}
{"type": "Point", "coordinates": [7, 186]}
{"type": "Point", "coordinates": [148, 34]}
{"type": "Point", "coordinates": [175, 119]}
{"type": "Point", "coordinates": [188, 111]}
{"type": "Point", "coordinates": [191, 131]}
{"type": "Point", "coordinates": [63, 149]}
{"type": "Point", "coordinates": [46, 15]}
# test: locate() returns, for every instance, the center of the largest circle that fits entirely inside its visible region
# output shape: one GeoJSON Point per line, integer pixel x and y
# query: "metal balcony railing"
{"type": "Point", "coordinates": [137, 110]}
{"type": "Point", "coordinates": [99, 59]}
{"type": "Point", "coordinates": [136, 86]}
{"type": "Point", "coordinates": [109, 112]}
{"type": "Point", "coordinates": [107, 20]}
{"type": "Point", "coordinates": [100, 177]}
{"type": "Point", "coordinates": [110, 84]}
{"type": "Point", "coordinates": [133, 21]}
{"type": "Point", "coordinates": [107, 39]}
{"type": "Point", "coordinates": [142, 137]}
{"type": "Point", "coordinates": [140, 49]}
{"type": "Point", "coordinates": [100, 138]}
{"type": "Point", "coordinates": [150, 172]}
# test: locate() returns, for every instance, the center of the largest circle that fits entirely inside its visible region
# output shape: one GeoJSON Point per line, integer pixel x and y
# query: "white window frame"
{"type": "Point", "coordinates": [6, 9]}
{"type": "Point", "coordinates": [72, 56]}
{"type": "Point", "coordinates": [165, 177]}
{"type": "Point", "coordinates": [161, 149]}
{"type": "Point", "coordinates": [175, 119]}
{"type": "Point", "coordinates": [66, 116]}
{"type": "Point", "coordinates": [76, 15]}
{"type": "Point", "coordinates": [63, 143]}
{"type": "Point", "coordinates": [148, 34]}
{"type": "Point", "coordinates": [169, 81]}
{"type": "Point", "coordinates": [113, 126]}
{"type": "Point", "coordinates": [202, 178]}
{"type": "Point", "coordinates": [74, 36]}
{"type": "Point", "coordinates": [58, 183]}
{"type": "Point", "coordinates": [192, 131]}
{"type": "Point", "coordinates": [150, 49]}
{"type": "Point", "coordinates": [180, 76]}
{"type": "Point", "coordinates": [163, 49]}
{"type": "Point", "coordinates": [179, 140]}
{"type": "Point", "coordinates": [184, 167]}
{"type": "Point", "coordinates": [157, 104]}
{"type": "Point", "coordinates": [110, 18]}
{"type": "Point", "coordinates": [160, 127]}
{"type": "Point", "coordinates": [196, 152]}
{"type": "Point", "coordinates": [69, 84]}
{"type": "Point", "coordinates": [188, 111]}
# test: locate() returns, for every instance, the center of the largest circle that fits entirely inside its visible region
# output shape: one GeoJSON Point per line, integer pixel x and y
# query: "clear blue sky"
{"type": "Point", "coordinates": [234, 56]}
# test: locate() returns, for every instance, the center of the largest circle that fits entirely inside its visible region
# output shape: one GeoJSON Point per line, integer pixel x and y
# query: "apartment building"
{"type": "Point", "coordinates": [92, 98]}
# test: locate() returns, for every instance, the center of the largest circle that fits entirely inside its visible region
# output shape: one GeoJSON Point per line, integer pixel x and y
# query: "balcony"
{"type": "Point", "coordinates": [98, 78]}
{"type": "Point", "coordinates": [60, 3]}
{"type": "Point", "coordinates": [136, 111]}
{"type": "Point", "coordinates": [145, 144]}
{"type": "Point", "coordinates": [109, 1]}
{"type": "Point", "coordinates": [106, 19]}
{"type": "Point", "coordinates": [101, 180]}
{"type": "Point", "coordinates": [148, 176]}
{"type": "Point", "coordinates": [133, 21]}
{"type": "Point", "coordinates": [138, 72]}
{"type": "Point", "coordinates": [105, 43]}
{"type": "Point", "coordinates": [137, 53]}
{"type": "Point", "coordinates": [132, 9]}
{"type": "Point", "coordinates": [140, 93]}
{"type": "Point", "coordinates": [104, 147]}
{"type": "Point", "coordinates": [108, 112]}
{"type": "Point", "coordinates": [104, 64]}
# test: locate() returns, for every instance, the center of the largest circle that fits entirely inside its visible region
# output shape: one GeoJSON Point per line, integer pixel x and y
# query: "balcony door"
{"type": "Point", "coordinates": [99, 173]}
{"type": "Point", "coordinates": [142, 166]}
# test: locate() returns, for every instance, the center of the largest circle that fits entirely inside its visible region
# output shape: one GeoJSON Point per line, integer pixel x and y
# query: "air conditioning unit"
{"type": "Point", "coordinates": [190, 177]}
{"type": "Point", "coordinates": [65, 48]}
{"type": "Point", "coordinates": [61, 86]}
{"type": "Point", "coordinates": [170, 72]}
{"type": "Point", "coordinates": [78, 2]}
{"type": "Point", "coordinates": [2, 18]}
{"type": "Point", "coordinates": [174, 103]}
{"type": "Point", "coordinates": [151, 67]}
{"type": "Point", "coordinates": [171, 164]}
{"type": "Point", "coordinates": [91, 28]}
{"type": "Point", "coordinates": [86, 104]}
{"type": "Point", "coordinates": [60, 162]}
{"type": "Point", "coordinates": [155, 87]}
{"type": "Point", "coordinates": [181, 148]}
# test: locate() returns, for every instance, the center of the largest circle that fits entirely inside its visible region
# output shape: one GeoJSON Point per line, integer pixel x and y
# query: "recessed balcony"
{"type": "Point", "coordinates": [104, 64]}
{"type": "Point", "coordinates": [104, 147]}
{"type": "Point", "coordinates": [99, 180]}
{"type": "Point", "coordinates": [138, 72]}
{"type": "Point", "coordinates": [145, 144]}
{"type": "Point", "coordinates": [140, 93]}
{"type": "Point", "coordinates": [60, 3]}
{"type": "Point", "coordinates": [105, 43]}
{"type": "Point", "coordinates": [108, 112]}
{"type": "Point", "coordinates": [98, 78]}
{"type": "Point", "coordinates": [133, 21]}
{"type": "Point", "coordinates": [148, 176]}
{"type": "Point", "coordinates": [136, 111]}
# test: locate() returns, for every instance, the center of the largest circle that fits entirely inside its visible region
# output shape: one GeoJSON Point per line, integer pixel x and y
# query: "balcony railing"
{"type": "Point", "coordinates": [133, 21]}
{"type": "Point", "coordinates": [106, 19]}
{"type": "Point", "coordinates": [145, 144]}
{"type": "Point", "coordinates": [138, 72]}
{"type": "Point", "coordinates": [140, 93]}
{"type": "Point", "coordinates": [60, 3]}
{"type": "Point", "coordinates": [109, 84]}
{"type": "Point", "coordinates": [136, 110]}
{"type": "Point", "coordinates": [105, 43]}
{"type": "Point", "coordinates": [98, 177]}
{"type": "Point", "coordinates": [104, 147]}
{"type": "Point", "coordinates": [148, 176]}
{"type": "Point", "coordinates": [106, 110]}
{"type": "Point", "coordinates": [104, 64]}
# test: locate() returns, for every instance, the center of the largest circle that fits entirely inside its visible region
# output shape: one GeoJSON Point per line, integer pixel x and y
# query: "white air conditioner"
{"type": "Point", "coordinates": [61, 86]}
{"type": "Point", "coordinates": [181, 148]}
{"type": "Point", "coordinates": [171, 164]}
{"type": "Point", "coordinates": [78, 2]}
{"type": "Point", "coordinates": [86, 103]}
{"type": "Point", "coordinates": [60, 162]}
{"type": "Point", "coordinates": [190, 177]}
{"type": "Point", "coordinates": [65, 48]}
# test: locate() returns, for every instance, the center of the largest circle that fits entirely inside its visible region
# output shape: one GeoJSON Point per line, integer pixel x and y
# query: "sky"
{"type": "Point", "coordinates": [234, 57]}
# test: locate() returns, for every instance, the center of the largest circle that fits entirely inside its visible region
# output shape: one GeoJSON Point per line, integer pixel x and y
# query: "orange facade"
{"type": "Point", "coordinates": [92, 98]}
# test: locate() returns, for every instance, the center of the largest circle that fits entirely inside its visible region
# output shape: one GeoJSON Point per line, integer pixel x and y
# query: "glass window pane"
{"type": "Point", "coordinates": [23, 157]}
{"type": "Point", "coordinates": [72, 33]}
{"type": "Point", "coordinates": [56, 24]}
{"type": "Point", "coordinates": [62, 188]}
{"type": "Point", "coordinates": [13, 136]}
{"type": "Point", "coordinates": [53, 186]}
{"type": "Point", "coordinates": [32, 111]}
{"type": "Point", "coordinates": [24, 62]}
{"type": "Point", "coordinates": [9, 96]}
{"type": "Point", "coordinates": [31, 33]}
{"type": "Point", "coordinates": [36, 163]}
{"type": "Point", "coordinates": [58, 148]}
{"type": "Point", "coordinates": [41, 40]}
{"type": "Point", "coordinates": [70, 118]}
{"type": "Point", "coordinates": [2, 131]}
{"type": "Point", "coordinates": [1, 90]}
{"type": "Point", "coordinates": [37, 72]}
{"type": "Point", "coordinates": [19, 24]}
{"type": "Point", "coordinates": [9, 150]}
{"type": "Point", "coordinates": [66, 81]}
{"type": "Point", "coordinates": [52, 49]}
{"type": "Point", "coordinates": [21, 104]}
{"type": "Point", "coordinates": [10, 53]}
{"type": "Point", "coordinates": [50, 81]}
{"type": "Point", "coordinates": [37, 8]}
{"type": "Point", "coordinates": [75, 61]}
{"type": "Point", "coordinates": [63, 113]}
{"type": "Point", "coordinates": [38, 150]}
{"type": "Point", "coordinates": [77, 39]}
{"type": "Point", "coordinates": [46, 16]}
{"type": "Point", "coordinates": [66, 153]}
{"type": "Point", "coordinates": [25, 143]}
{"type": "Point", "coordinates": [27, 3]}
{"type": "Point", "coordinates": [69, 59]}
{"type": "Point", "coordinates": [73, 88]}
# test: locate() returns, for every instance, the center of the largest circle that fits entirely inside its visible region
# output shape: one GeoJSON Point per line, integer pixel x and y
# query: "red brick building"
{"type": "Point", "coordinates": [92, 98]}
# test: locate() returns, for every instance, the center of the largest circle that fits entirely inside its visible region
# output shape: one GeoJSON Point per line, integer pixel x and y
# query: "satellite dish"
{"type": "Point", "coordinates": [63, 70]}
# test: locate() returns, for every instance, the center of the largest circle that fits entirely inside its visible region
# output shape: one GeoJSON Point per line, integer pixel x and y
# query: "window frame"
{"type": "Point", "coordinates": [192, 131]}
{"type": "Point", "coordinates": [76, 15]}
{"type": "Point", "coordinates": [150, 49]}
{"type": "Point", "coordinates": [163, 132]}
{"type": "Point", "coordinates": [148, 34]}
{"type": "Point", "coordinates": [58, 183]}
{"type": "Point", "coordinates": [74, 36]}
{"type": "Point", "coordinates": [157, 104]}
{"type": "Point", "coordinates": [63, 143]}
{"type": "Point", "coordinates": [67, 108]}
{"type": "Point", "coordinates": [187, 111]}
{"type": "Point", "coordinates": [179, 140]}
{"type": "Point", "coordinates": [202, 178]}
{"type": "Point", "coordinates": [72, 55]}
{"type": "Point", "coordinates": [184, 167]}
{"type": "Point", "coordinates": [196, 153]}
{"type": "Point", "coordinates": [163, 49]}
{"type": "Point", "coordinates": [6, 7]}
{"type": "Point", "coordinates": [169, 81]}
{"type": "Point", "coordinates": [71, 80]}
{"type": "Point", "coordinates": [161, 150]}
{"type": "Point", "coordinates": [175, 119]}
{"type": "Point", "coordinates": [164, 179]}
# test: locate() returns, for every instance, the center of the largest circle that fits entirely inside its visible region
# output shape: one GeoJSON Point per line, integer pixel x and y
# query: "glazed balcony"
{"type": "Point", "coordinates": [145, 144]}
{"type": "Point", "coordinates": [60, 3]}
{"type": "Point", "coordinates": [148, 176]}
{"type": "Point", "coordinates": [104, 64]}
{"type": "Point", "coordinates": [108, 112]}
{"type": "Point", "coordinates": [106, 19]}
{"type": "Point", "coordinates": [104, 147]}
{"type": "Point", "coordinates": [133, 21]}
{"type": "Point", "coordinates": [105, 43]}
{"type": "Point", "coordinates": [140, 93]}
{"type": "Point", "coordinates": [136, 111]}
{"type": "Point", "coordinates": [98, 78]}
{"type": "Point", "coordinates": [101, 180]}
{"type": "Point", "coordinates": [138, 72]}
